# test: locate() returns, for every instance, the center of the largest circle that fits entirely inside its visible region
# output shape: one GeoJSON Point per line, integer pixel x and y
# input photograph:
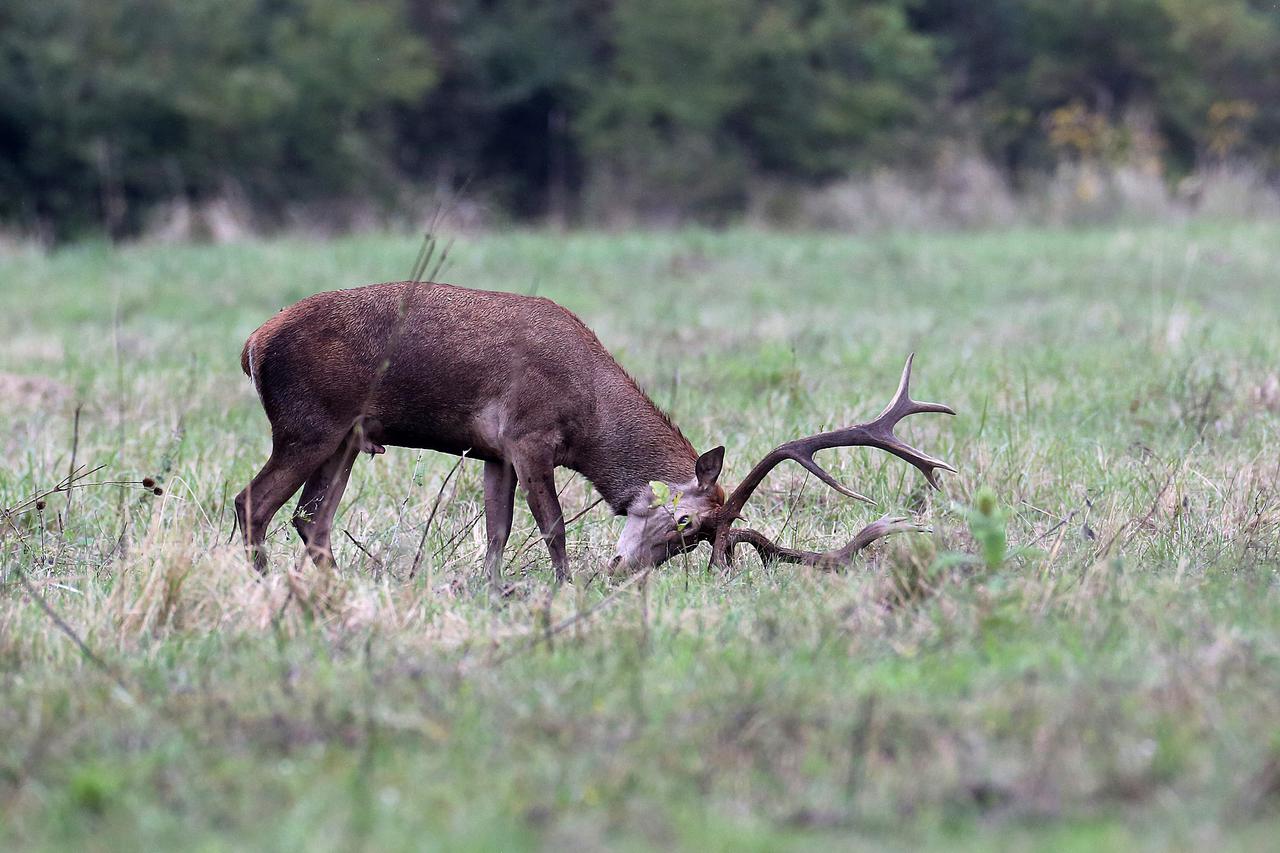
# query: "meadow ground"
{"type": "Point", "coordinates": [1112, 680]}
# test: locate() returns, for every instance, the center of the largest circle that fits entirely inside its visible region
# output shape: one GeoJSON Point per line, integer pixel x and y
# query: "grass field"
{"type": "Point", "coordinates": [1112, 680]}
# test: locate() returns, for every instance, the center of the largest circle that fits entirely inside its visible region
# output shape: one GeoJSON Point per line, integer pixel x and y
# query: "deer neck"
{"type": "Point", "coordinates": [631, 446]}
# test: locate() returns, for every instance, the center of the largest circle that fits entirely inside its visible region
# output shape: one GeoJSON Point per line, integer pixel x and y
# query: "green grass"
{"type": "Point", "coordinates": [1115, 682]}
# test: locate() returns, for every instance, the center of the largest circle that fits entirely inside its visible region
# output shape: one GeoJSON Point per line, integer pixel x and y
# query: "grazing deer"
{"type": "Point", "coordinates": [522, 384]}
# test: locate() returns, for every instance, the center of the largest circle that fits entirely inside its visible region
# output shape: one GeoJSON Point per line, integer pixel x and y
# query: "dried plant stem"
{"type": "Point", "coordinates": [435, 506]}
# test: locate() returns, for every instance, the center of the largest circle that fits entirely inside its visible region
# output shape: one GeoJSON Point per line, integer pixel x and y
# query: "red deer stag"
{"type": "Point", "coordinates": [522, 384]}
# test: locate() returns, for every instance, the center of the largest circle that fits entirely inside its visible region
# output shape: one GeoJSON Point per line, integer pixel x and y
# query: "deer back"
{"type": "Point", "coordinates": [452, 369]}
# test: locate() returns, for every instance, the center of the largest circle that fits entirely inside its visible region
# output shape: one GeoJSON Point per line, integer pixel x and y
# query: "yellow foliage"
{"type": "Point", "coordinates": [1078, 131]}
{"type": "Point", "coordinates": [1228, 122]}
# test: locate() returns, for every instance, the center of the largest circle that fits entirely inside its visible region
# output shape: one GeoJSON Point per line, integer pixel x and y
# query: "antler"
{"type": "Point", "coordinates": [771, 552]}
{"type": "Point", "coordinates": [876, 433]}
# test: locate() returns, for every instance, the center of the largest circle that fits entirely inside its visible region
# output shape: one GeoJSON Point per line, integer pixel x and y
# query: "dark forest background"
{"type": "Point", "coordinates": [116, 115]}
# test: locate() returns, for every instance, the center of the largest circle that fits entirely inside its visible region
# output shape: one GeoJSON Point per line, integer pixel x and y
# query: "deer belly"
{"type": "Point", "coordinates": [442, 442]}
{"type": "Point", "coordinates": [447, 430]}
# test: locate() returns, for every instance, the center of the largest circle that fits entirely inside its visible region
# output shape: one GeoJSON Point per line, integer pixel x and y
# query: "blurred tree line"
{"type": "Point", "coordinates": [565, 108]}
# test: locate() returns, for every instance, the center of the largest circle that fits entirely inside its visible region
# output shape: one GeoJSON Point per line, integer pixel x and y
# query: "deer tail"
{"type": "Point", "coordinates": [248, 362]}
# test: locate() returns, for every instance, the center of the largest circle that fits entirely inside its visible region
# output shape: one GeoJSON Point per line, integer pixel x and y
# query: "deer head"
{"type": "Point", "coordinates": [662, 519]}
{"type": "Point", "coordinates": [659, 529]}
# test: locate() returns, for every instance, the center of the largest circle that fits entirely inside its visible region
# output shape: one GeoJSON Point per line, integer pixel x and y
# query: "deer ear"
{"type": "Point", "coordinates": [708, 467]}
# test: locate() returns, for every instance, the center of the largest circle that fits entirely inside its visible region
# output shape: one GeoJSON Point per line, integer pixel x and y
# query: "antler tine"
{"type": "Point", "coordinates": [902, 405]}
{"type": "Point", "coordinates": [880, 430]}
{"type": "Point", "coordinates": [822, 474]}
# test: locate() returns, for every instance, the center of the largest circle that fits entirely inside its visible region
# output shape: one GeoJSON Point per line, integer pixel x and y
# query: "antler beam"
{"type": "Point", "coordinates": [771, 552]}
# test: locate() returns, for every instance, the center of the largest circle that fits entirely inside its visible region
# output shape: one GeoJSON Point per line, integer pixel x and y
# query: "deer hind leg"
{"type": "Point", "coordinates": [499, 507]}
{"type": "Point", "coordinates": [321, 494]}
{"type": "Point", "coordinates": [289, 466]}
{"type": "Point", "coordinates": [540, 485]}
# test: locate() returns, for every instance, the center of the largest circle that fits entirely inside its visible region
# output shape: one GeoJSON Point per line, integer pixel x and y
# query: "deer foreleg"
{"type": "Point", "coordinates": [540, 485]}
